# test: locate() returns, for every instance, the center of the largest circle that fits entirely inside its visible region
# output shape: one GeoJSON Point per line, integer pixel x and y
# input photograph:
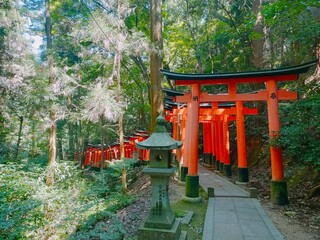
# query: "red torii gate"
{"type": "Point", "coordinates": [222, 117]}
{"type": "Point", "coordinates": [222, 114]}
{"type": "Point", "coordinates": [271, 95]}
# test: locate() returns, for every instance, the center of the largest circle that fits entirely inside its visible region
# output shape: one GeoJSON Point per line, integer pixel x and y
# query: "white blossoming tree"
{"type": "Point", "coordinates": [109, 34]}
{"type": "Point", "coordinates": [16, 68]}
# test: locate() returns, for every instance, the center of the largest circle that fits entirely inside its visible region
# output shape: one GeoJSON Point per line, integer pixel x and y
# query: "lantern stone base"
{"type": "Point", "coordinates": [243, 175]}
{"type": "Point", "coordinates": [174, 233]}
{"type": "Point", "coordinates": [279, 192]}
{"type": "Point", "coordinates": [227, 170]}
{"type": "Point", "coordinates": [183, 173]}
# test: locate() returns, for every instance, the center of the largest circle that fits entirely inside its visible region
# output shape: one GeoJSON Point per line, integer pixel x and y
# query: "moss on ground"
{"type": "Point", "coordinates": [195, 227]}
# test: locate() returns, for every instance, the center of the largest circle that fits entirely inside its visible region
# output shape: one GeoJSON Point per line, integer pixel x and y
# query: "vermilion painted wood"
{"type": "Point", "coordinates": [261, 95]}
{"type": "Point", "coordinates": [274, 130]}
{"type": "Point", "coordinates": [207, 138]}
{"type": "Point", "coordinates": [226, 140]}
{"type": "Point", "coordinates": [192, 134]}
{"type": "Point", "coordinates": [241, 137]}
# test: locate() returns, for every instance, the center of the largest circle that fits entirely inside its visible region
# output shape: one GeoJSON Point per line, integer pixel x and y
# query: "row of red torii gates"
{"type": "Point", "coordinates": [215, 111]}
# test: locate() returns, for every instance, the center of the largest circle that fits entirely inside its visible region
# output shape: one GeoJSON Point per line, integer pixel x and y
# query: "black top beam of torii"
{"type": "Point", "coordinates": [288, 73]}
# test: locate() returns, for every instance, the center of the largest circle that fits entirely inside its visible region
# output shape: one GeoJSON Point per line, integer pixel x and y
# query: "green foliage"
{"type": "Point", "coordinates": [98, 225]}
{"type": "Point", "coordinates": [295, 26]}
{"type": "Point", "coordinates": [300, 133]}
{"type": "Point", "coordinates": [82, 205]}
{"type": "Point", "coordinates": [19, 209]}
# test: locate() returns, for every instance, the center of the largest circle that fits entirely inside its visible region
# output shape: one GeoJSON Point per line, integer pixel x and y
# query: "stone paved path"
{"type": "Point", "coordinates": [231, 214]}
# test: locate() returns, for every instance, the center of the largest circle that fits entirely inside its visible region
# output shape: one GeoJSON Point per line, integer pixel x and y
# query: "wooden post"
{"type": "Point", "coordinates": [192, 135]}
{"type": "Point", "coordinates": [243, 174]}
{"type": "Point", "coordinates": [207, 144]}
{"type": "Point", "coordinates": [226, 145]}
{"type": "Point", "coordinates": [216, 140]}
{"type": "Point", "coordinates": [186, 155]}
{"type": "Point", "coordinates": [174, 153]}
{"type": "Point", "coordinates": [182, 136]}
{"type": "Point", "coordinates": [213, 156]}
{"type": "Point", "coordinates": [213, 130]}
{"type": "Point", "coordinates": [220, 132]}
{"type": "Point", "coordinates": [279, 193]}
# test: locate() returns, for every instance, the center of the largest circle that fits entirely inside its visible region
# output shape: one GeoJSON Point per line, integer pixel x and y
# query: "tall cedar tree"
{"type": "Point", "coordinates": [53, 127]}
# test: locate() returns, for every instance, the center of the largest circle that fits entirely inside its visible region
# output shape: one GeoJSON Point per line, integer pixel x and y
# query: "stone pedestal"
{"type": "Point", "coordinates": [227, 170]}
{"type": "Point", "coordinates": [279, 193]}
{"type": "Point", "coordinates": [243, 175]}
{"type": "Point", "coordinates": [161, 222]}
{"type": "Point", "coordinates": [192, 189]}
{"type": "Point", "coordinates": [173, 233]}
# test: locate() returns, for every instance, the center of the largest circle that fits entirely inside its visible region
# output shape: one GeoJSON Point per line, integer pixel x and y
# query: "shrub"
{"type": "Point", "coordinates": [300, 133]}
{"type": "Point", "coordinates": [79, 206]}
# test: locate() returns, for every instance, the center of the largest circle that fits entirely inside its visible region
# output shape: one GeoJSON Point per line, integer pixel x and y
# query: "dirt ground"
{"type": "Point", "coordinates": [290, 228]}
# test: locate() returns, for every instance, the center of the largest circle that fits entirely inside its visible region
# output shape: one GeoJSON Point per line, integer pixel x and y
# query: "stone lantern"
{"type": "Point", "coordinates": [160, 223]}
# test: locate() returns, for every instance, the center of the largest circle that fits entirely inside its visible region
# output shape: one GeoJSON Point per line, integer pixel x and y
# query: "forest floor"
{"type": "Point", "coordinates": [298, 220]}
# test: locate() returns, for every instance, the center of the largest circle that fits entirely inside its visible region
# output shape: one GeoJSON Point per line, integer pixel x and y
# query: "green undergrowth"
{"type": "Point", "coordinates": [81, 204]}
{"type": "Point", "coordinates": [195, 228]}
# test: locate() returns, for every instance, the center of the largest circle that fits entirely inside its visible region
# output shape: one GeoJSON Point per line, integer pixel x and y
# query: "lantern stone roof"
{"type": "Point", "coordinates": [160, 138]}
{"type": "Point", "coordinates": [294, 70]}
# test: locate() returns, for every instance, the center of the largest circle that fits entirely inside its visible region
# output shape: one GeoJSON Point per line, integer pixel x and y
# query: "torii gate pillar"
{"type": "Point", "coordinates": [243, 173]}
{"type": "Point", "coordinates": [216, 142]}
{"type": "Point", "coordinates": [279, 193]}
{"type": "Point", "coordinates": [192, 135]}
{"type": "Point", "coordinates": [226, 146]}
{"type": "Point", "coordinates": [207, 144]}
{"type": "Point", "coordinates": [184, 163]}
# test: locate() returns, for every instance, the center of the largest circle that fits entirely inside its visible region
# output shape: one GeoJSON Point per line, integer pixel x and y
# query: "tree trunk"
{"type": "Point", "coordinates": [60, 149]}
{"type": "Point", "coordinates": [156, 101]}
{"type": "Point", "coordinates": [80, 144]}
{"type": "Point", "coordinates": [85, 144]}
{"type": "Point", "coordinates": [102, 143]}
{"type": "Point", "coordinates": [33, 136]}
{"type": "Point", "coordinates": [19, 136]}
{"type": "Point", "coordinates": [317, 72]}
{"type": "Point", "coordinates": [119, 90]}
{"type": "Point", "coordinates": [120, 120]}
{"type": "Point", "coordinates": [53, 128]}
{"type": "Point", "coordinates": [76, 141]}
{"type": "Point", "coordinates": [70, 131]}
